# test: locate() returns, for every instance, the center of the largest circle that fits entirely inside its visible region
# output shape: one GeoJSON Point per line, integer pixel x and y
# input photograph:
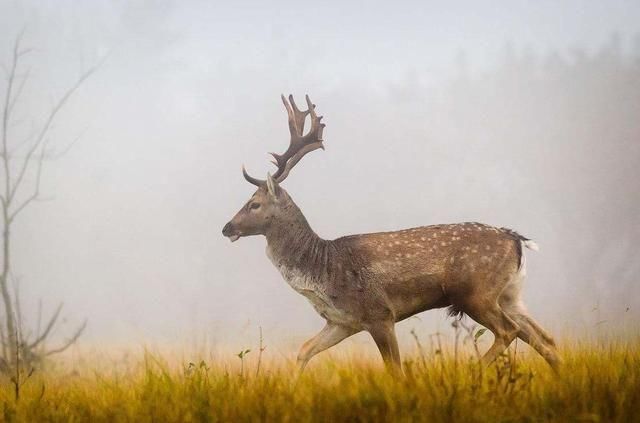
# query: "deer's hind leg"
{"type": "Point", "coordinates": [530, 335]}
{"type": "Point", "coordinates": [530, 331]}
{"type": "Point", "coordinates": [479, 300]}
{"type": "Point", "coordinates": [538, 329]}
{"type": "Point", "coordinates": [504, 328]}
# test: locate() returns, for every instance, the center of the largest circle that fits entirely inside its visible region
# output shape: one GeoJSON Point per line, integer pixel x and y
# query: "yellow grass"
{"type": "Point", "coordinates": [599, 382]}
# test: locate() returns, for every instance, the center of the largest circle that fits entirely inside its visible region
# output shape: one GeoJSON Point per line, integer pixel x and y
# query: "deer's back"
{"type": "Point", "coordinates": [429, 266]}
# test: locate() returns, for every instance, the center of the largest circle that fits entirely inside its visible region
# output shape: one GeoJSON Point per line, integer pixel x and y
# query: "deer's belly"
{"type": "Point", "coordinates": [326, 309]}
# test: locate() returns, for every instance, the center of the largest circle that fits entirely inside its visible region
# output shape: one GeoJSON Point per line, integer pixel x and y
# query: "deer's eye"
{"type": "Point", "coordinates": [254, 206]}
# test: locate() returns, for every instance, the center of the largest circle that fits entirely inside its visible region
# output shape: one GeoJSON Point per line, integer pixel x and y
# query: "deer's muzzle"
{"type": "Point", "coordinates": [230, 232]}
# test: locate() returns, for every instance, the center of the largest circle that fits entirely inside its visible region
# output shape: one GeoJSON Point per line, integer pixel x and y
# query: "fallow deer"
{"type": "Point", "coordinates": [371, 281]}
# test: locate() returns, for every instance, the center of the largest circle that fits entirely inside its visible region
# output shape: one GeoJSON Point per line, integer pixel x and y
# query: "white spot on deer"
{"type": "Point", "coordinates": [455, 233]}
{"type": "Point", "coordinates": [474, 251]}
{"type": "Point", "coordinates": [423, 238]}
{"type": "Point", "coordinates": [407, 255]}
{"type": "Point", "coordinates": [443, 243]}
{"type": "Point", "coordinates": [397, 242]}
{"type": "Point", "coordinates": [487, 247]}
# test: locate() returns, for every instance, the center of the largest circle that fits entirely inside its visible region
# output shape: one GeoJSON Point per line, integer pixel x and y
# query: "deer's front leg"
{"type": "Point", "coordinates": [330, 335]}
{"type": "Point", "coordinates": [384, 335]}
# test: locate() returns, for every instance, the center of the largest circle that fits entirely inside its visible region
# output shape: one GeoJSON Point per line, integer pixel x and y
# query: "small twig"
{"type": "Point", "coordinates": [39, 321]}
{"type": "Point", "coordinates": [241, 356]}
{"type": "Point", "coordinates": [456, 327]}
{"type": "Point", "coordinates": [16, 377]}
{"type": "Point", "coordinates": [262, 348]}
{"type": "Point", "coordinates": [16, 300]}
{"type": "Point", "coordinates": [3, 339]}
{"type": "Point", "coordinates": [419, 345]}
{"type": "Point", "coordinates": [515, 357]}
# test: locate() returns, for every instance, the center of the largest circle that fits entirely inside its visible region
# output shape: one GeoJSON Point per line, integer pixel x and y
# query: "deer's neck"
{"type": "Point", "coordinates": [294, 247]}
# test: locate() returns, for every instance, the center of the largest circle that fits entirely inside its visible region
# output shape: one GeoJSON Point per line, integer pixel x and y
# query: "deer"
{"type": "Point", "coordinates": [369, 282]}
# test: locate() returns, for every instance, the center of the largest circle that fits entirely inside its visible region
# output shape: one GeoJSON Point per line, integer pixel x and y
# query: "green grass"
{"type": "Point", "coordinates": [597, 383]}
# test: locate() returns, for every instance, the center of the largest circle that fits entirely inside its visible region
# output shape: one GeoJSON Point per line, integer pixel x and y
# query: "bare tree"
{"type": "Point", "coordinates": [21, 163]}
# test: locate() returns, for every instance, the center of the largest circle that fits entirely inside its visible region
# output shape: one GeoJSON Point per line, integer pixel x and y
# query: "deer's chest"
{"type": "Point", "coordinates": [313, 290]}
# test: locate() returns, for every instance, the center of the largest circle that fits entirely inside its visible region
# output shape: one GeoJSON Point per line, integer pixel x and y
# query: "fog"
{"type": "Point", "coordinates": [519, 114]}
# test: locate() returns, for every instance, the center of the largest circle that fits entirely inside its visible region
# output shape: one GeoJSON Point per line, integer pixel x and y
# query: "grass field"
{"type": "Point", "coordinates": [598, 382]}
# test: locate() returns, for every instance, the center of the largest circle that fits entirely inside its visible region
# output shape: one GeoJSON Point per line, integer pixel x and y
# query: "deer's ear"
{"type": "Point", "coordinates": [272, 186]}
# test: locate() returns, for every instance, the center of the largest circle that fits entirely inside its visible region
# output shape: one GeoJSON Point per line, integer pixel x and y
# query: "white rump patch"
{"type": "Point", "coordinates": [523, 260]}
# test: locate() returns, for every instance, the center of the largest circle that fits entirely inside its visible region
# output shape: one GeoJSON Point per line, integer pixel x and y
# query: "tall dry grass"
{"type": "Point", "coordinates": [598, 382]}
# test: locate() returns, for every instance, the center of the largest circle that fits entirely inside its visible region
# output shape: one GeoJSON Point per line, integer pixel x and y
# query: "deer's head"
{"type": "Point", "coordinates": [270, 204]}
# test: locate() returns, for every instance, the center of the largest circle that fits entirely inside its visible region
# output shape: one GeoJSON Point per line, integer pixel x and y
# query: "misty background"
{"type": "Point", "coordinates": [518, 114]}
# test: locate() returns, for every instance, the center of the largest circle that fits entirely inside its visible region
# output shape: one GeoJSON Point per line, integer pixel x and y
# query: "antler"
{"type": "Point", "coordinates": [299, 145]}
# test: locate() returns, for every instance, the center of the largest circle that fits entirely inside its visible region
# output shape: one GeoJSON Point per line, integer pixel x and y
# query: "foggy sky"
{"type": "Point", "coordinates": [514, 114]}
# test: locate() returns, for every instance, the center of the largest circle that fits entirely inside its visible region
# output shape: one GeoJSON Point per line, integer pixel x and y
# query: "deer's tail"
{"type": "Point", "coordinates": [523, 241]}
{"type": "Point", "coordinates": [530, 244]}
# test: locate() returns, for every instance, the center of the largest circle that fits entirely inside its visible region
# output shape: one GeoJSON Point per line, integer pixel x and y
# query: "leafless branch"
{"type": "Point", "coordinates": [36, 188]}
{"type": "Point", "coordinates": [62, 152]}
{"type": "Point", "coordinates": [45, 130]}
{"type": "Point", "coordinates": [43, 336]}
{"type": "Point", "coordinates": [70, 341]}
{"type": "Point", "coordinates": [39, 320]}
{"type": "Point", "coordinates": [3, 338]}
{"type": "Point", "coordinates": [25, 141]}
{"type": "Point", "coordinates": [6, 113]}
{"type": "Point", "coordinates": [16, 96]}
{"type": "Point", "coordinates": [16, 301]}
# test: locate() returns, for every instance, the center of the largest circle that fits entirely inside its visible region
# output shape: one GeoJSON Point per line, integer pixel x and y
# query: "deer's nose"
{"type": "Point", "coordinates": [226, 231]}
